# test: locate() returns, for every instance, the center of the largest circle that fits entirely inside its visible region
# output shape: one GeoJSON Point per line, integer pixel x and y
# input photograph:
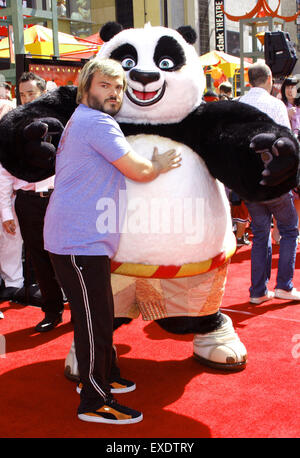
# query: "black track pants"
{"type": "Point", "coordinates": [87, 285]}
{"type": "Point", "coordinates": [31, 211]}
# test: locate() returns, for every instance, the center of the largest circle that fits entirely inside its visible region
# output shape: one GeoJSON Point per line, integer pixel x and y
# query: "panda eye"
{"type": "Point", "coordinates": [166, 64]}
{"type": "Point", "coordinates": [128, 63]}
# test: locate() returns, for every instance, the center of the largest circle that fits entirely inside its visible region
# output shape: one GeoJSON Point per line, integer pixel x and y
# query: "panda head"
{"type": "Point", "coordinates": [164, 75]}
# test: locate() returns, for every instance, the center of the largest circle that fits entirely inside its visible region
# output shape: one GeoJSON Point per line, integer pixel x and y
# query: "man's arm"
{"type": "Point", "coordinates": [135, 167]}
{"type": "Point", "coordinates": [6, 192]}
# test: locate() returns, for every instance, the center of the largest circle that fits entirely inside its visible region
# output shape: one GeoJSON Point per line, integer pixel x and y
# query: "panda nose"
{"type": "Point", "coordinates": [144, 77]}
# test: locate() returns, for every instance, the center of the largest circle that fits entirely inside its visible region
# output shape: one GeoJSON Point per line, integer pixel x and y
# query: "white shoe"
{"type": "Point", "coordinates": [292, 295]}
{"type": "Point", "coordinates": [71, 371]}
{"type": "Point", "coordinates": [259, 300]}
{"type": "Point", "coordinates": [221, 349]}
{"type": "Point", "coordinates": [71, 365]}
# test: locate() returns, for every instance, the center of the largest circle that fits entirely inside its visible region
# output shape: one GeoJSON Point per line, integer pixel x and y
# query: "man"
{"type": "Point", "coordinates": [210, 96]}
{"type": "Point", "coordinates": [225, 91]}
{"type": "Point", "coordinates": [11, 243]}
{"type": "Point", "coordinates": [282, 208]}
{"type": "Point", "coordinates": [30, 205]}
{"type": "Point", "coordinates": [91, 161]}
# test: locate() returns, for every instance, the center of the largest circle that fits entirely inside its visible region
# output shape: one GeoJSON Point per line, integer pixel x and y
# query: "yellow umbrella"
{"type": "Point", "coordinates": [226, 62]}
{"type": "Point", "coordinates": [39, 40]}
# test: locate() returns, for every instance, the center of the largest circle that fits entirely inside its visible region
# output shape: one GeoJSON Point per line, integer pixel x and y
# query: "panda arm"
{"type": "Point", "coordinates": [26, 132]}
{"type": "Point", "coordinates": [222, 134]}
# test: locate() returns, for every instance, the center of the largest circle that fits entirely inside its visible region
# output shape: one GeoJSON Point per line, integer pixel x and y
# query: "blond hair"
{"type": "Point", "coordinates": [107, 67]}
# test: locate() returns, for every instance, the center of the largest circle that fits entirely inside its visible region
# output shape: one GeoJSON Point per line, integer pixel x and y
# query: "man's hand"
{"type": "Point", "coordinates": [135, 167]}
{"type": "Point", "coordinates": [9, 226]}
{"type": "Point", "coordinates": [292, 112]}
{"type": "Point", "coordinates": [166, 161]}
{"type": "Point", "coordinates": [279, 156]}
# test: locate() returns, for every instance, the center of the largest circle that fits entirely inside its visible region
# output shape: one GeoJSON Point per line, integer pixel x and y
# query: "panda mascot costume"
{"type": "Point", "coordinates": [177, 238]}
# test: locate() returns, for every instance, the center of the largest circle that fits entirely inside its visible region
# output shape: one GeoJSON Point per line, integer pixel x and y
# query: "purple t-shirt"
{"type": "Point", "coordinates": [84, 215]}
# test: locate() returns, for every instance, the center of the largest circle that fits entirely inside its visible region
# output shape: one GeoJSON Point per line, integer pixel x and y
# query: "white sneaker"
{"type": "Point", "coordinates": [221, 349]}
{"type": "Point", "coordinates": [292, 295]}
{"type": "Point", "coordinates": [259, 300]}
{"type": "Point", "coordinates": [71, 365]}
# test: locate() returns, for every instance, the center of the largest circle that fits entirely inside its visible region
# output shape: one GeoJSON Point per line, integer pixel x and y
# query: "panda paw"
{"type": "Point", "coordinates": [41, 138]}
{"type": "Point", "coordinates": [279, 155]}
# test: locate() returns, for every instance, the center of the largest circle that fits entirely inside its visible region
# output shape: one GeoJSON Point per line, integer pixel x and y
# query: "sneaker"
{"type": "Point", "coordinates": [119, 385]}
{"type": "Point", "coordinates": [242, 241]}
{"type": "Point", "coordinates": [113, 413]}
{"type": "Point", "coordinates": [49, 322]}
{"type": "Point", "coordinates": [292, 295]}
{"type": "Point", "coordinates": [259, 300]}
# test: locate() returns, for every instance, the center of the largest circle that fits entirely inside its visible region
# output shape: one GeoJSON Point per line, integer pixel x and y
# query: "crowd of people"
{"type": "Point", "coordinates": [281, 208]}
{"type": "Point", "coordinates": [69, 263]}
{"type": "Point", "coordinates": [289, 117]}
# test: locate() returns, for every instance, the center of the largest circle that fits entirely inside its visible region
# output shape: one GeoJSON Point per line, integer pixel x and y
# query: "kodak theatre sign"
{"type": "Point", "coordinates": [220, 25]}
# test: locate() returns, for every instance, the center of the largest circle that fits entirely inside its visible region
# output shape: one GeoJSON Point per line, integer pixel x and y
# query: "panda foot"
{"type": "Point", "coordinates": [221, 349]}
{"type": "Point", "coordinates": [71, 370]}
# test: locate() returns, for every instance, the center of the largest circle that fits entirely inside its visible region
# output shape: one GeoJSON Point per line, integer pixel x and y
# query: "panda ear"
{"type": "Point", "coordinates": [109, 30]}
{"type": "Point", "coordinates": [188, 33]}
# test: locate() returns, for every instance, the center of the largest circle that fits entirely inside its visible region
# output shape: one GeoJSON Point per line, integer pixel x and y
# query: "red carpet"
{"type": "Point", "coordinates": [179, 397]}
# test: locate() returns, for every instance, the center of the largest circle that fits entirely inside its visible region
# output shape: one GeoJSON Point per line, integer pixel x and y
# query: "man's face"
{"type": "Point", "coordinates": [105, 94]}
{"type": "Point", "coordinates": [29, 91]}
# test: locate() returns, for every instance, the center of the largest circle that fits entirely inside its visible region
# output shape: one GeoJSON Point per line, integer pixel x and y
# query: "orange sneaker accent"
{"type": "Point", "coordinates": [110, 410]}
{"type": "Point", "coordinates": [116, 385]}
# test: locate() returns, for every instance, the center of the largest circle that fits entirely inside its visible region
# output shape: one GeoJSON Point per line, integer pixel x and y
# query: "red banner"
{"type": "Point", "coordinates": [60, 75]}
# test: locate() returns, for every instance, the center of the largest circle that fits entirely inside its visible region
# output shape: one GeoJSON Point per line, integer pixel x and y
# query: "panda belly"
{"type": "Point", "coordinates": [181, 217]}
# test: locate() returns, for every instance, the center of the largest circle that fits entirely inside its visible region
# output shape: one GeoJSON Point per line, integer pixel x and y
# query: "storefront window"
{"type": "Point", "coordinates": [25, 3]}
{"type": "Point", "coordinates": [233, 43]}
{"type": "Point", "coordinates": [81, 11]}
{"type": "Point", "coordinates": [62, 8]}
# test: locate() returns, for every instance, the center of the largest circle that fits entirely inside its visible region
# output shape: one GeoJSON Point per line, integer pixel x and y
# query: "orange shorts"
{"type": "Point", "coordinates": [239, 213]}
{"type": "Point", "coordinates": [156, 298]}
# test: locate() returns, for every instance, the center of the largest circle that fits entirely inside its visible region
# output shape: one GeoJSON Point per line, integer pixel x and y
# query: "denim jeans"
{"type": "Point", "coordinates": [283, 210]}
